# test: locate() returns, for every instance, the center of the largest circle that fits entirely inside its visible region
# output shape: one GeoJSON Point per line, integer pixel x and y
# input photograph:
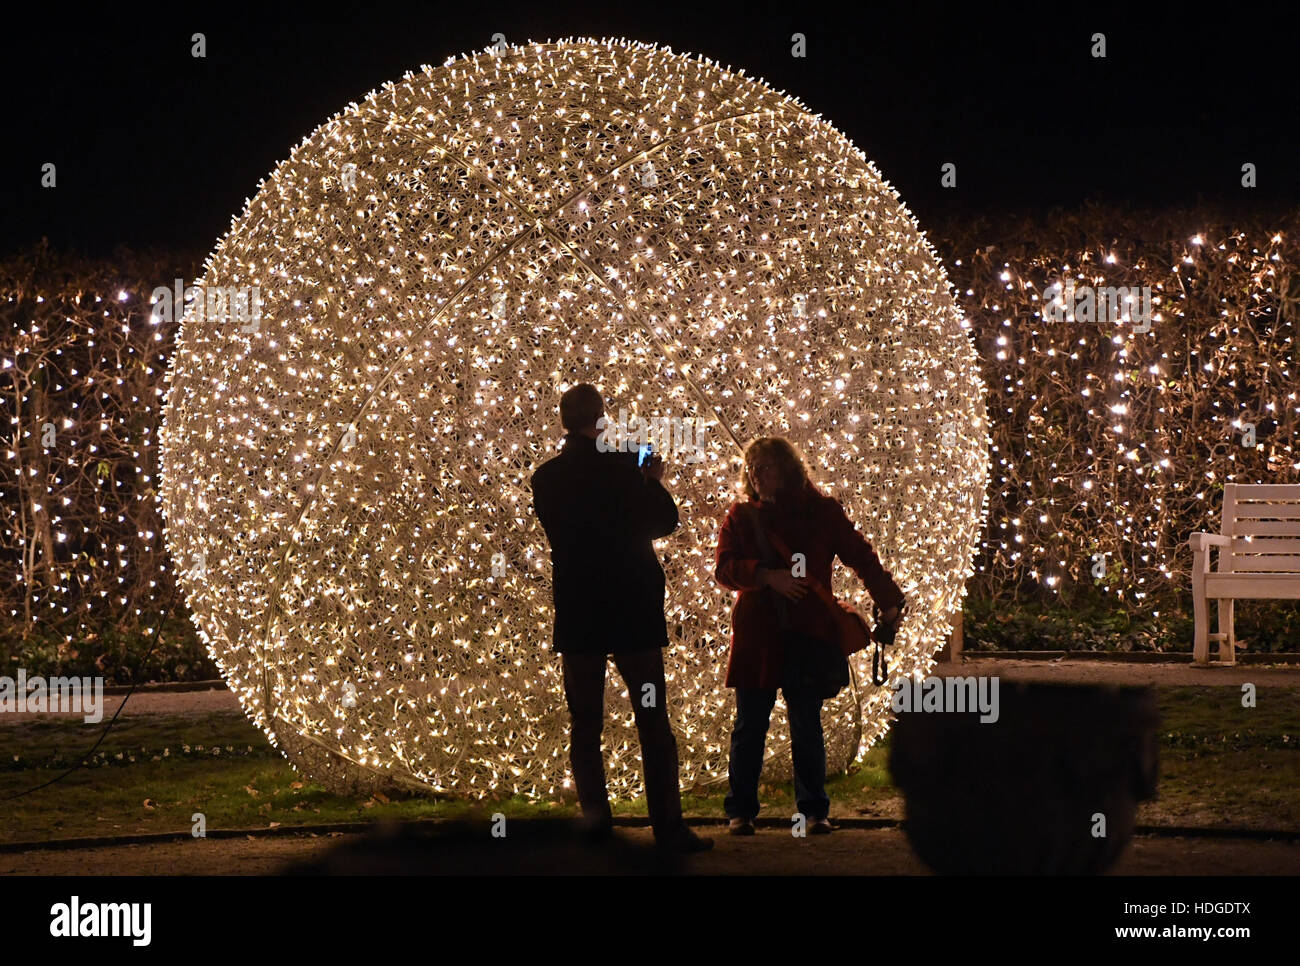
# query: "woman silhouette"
{"type": "Point", "coordinates": [775, 617]}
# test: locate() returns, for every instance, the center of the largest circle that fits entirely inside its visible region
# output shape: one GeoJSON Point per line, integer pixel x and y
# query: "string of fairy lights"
{"type": "Point", "coordinates": [346, 483]}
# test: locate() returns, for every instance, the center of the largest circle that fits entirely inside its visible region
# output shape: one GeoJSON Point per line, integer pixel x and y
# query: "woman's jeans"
{"type": "Point", "coordinates": [749, 735]}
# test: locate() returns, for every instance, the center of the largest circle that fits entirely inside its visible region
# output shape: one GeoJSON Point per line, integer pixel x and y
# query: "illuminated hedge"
{"type": "Point", "coordinates": [1112, 444]}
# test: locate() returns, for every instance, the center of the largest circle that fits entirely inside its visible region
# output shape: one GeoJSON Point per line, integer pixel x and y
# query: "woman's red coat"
{"type": "Point", "coordinates": [815, 525]}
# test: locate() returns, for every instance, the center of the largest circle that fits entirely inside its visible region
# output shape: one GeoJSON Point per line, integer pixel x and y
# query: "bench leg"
{"type": "Point", "coordinates": [1228, 643]}
{"type": "Point", "coordinates": [1201, 640]}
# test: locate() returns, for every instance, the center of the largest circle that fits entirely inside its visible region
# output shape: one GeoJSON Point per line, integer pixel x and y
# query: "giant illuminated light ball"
{"type": "Point", "coordinates": [347, 463]}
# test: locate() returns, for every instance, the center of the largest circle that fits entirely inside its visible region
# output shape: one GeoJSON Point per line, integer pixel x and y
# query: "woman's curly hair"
{"type": "Point", "coordinates": [781, 451]}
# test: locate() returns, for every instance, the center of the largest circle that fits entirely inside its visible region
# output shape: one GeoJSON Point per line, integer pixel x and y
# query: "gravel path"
{"type": "Point", "coordinates": [771, 852]}
{"type": "Point", "coordinates": [1128, 674]}
{"type": "Point", "coordinates": [152, 701]}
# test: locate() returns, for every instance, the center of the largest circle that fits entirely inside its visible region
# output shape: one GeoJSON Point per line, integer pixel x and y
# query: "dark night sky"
{"type": "Point", "coordinates": [156, 148]}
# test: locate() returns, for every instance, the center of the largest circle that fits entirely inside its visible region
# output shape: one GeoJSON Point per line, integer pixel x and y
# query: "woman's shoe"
{"type": "Point", "coordinates": [741, 826]}
{"type": "Point", "coordinates": [821, 826]}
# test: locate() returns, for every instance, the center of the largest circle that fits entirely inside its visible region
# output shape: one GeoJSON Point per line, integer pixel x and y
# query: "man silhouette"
{"type": "Point", "coordinates": [601, 514]}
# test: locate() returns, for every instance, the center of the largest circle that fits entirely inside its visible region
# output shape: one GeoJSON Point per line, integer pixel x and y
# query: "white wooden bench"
{"type": "Point", "coordinates": [1259, 558]}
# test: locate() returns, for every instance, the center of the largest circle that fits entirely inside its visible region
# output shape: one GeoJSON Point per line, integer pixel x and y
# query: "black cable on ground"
{"type": "Point", "coordinates": [104, 734]}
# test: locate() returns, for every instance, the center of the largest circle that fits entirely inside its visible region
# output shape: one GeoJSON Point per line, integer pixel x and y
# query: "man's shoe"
{"type": "Point", "coordinates": [595, 832]}
{"type": "Point", "coordinates": [741, 826]}
{"type": "Point", "coordinates": [821, 826]}
{"type": "Point", "coordinates": [684, 840]}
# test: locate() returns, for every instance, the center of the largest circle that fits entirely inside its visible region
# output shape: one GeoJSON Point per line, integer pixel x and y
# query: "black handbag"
{"type": "Point", "coordinates": [811, 666]}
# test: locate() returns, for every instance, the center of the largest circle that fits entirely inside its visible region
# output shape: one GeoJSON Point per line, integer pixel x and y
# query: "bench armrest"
{"type": "Point", "coordinates": [1203, 541]}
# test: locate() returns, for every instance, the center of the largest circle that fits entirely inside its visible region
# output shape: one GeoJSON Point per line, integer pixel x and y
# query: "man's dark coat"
{"type": "Point", "coordinates": [601, 514]}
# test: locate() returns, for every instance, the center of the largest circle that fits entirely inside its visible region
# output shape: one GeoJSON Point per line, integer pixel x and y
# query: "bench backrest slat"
{"type": "Point", "coordinates": [1263, 528]}
{"type": "Point", "coordinates": [1266, 491]}
{"type": "Point", "coordinates": [1268, 511]}
{"type": "Point", "coordinates": [1265, 545]}
{"type": "Point", "coordinates": [1276, 563]}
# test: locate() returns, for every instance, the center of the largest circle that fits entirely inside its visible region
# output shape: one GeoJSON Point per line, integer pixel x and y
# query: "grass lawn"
{"type": "Point", "coordinates": [1220, 765]}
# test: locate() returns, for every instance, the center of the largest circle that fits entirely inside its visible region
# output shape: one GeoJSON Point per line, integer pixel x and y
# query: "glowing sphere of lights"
{"type": "Point", "coordinates": [346, 467]}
